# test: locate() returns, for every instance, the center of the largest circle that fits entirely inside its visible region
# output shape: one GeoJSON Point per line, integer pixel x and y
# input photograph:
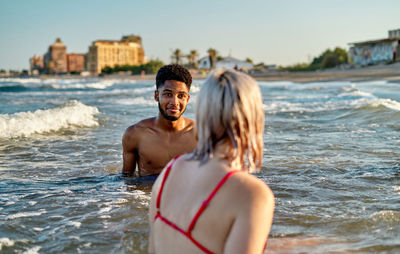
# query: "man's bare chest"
{"type": "Point", "coordinates": [155, 151]}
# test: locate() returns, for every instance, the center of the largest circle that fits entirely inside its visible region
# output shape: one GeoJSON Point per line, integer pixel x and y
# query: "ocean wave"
{"type": "Point", "coordinates": [14, 88]}
{"type": "Point", "coordinates": [34, 250]}
{"type": "Point", "coordinates": [82, 85]}
{"type": "Point", "coordinates": [136, 101]}
{"type": "Point", "coordinates": [387, 103]}
{"type": "Point", "coordinates": [25, 214]}
{"type": "Point", "coordinates": [20, 84]}
{"type": "Point", "coordinates": [275, 83]}
{"type": "Point", "coordinates": [72, 115]}
{"type": "Point", "coordinates": [356, 93]}
{"type": "Point", "coordinates": [386, 216]}
{"type": "Point", "coordinates": [363, 103]}
{"type": "Point", "coordinates": [6, 242]}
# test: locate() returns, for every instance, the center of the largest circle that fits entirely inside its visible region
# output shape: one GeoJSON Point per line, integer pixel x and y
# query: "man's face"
{"type": "Point", "coordinates": [172, 99]}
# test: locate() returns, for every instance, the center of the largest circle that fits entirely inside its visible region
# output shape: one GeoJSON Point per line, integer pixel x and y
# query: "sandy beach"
{"type": "Point", "coordinates": [389, 72]}
{"type": "Point", "coordinates": [386, 72]}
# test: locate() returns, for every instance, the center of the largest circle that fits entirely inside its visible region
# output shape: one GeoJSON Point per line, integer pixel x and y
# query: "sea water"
{"type": "Point", "coordinates": [331, 157]}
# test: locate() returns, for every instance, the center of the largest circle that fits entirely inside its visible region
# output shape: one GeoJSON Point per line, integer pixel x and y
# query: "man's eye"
{"type": "Point", "coordinates": [181, 96]}
{"type": "Point", "coordinates": [168, 94]}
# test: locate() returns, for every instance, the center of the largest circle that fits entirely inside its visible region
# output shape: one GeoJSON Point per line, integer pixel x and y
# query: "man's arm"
{"type": "Point", "coordinates": [129, 147]}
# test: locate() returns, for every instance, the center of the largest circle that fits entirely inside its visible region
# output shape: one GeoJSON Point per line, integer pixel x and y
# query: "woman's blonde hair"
{"type": "Point", "coordinates": [229, 108]}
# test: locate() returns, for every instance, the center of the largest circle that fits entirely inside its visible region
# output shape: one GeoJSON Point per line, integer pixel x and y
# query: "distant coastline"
{"type": "Point", "coordinates": [389, 72]}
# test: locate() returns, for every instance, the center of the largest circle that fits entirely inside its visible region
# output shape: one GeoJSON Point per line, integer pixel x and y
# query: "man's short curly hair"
{"type": "Point", "coordinates": [173, 72]}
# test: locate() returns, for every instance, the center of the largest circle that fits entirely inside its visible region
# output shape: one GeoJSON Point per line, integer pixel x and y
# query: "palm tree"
{"type": "Point", "coordinates": [176, 56]}
{"type": "Point", "coordinates": [193, 58]}
{"type": "Point", "coordinates": [212, 53]}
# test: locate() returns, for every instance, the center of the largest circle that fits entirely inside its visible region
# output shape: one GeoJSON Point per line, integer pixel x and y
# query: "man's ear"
{"type": "Point", "coordinates": [156, 94]}
{"type": "Point", "coordinates": [188, 98]}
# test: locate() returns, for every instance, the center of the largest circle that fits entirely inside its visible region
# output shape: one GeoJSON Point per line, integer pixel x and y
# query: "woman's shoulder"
{"type": "Point", "coordinates": [251, 188]}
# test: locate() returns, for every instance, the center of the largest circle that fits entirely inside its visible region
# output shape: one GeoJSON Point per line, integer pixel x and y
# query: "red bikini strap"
{"type": "Point", "coordinates": [210, 197]}
{"type": "Point", "coordinates": [163, 181]}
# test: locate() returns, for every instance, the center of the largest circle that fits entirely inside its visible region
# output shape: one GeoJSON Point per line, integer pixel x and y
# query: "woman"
{"type": "Point", "coordinates": [206, 202]}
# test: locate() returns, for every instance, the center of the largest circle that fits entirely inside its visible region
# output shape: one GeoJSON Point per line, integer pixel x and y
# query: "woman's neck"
{"type": "Point", "coordinates": [225, 151]}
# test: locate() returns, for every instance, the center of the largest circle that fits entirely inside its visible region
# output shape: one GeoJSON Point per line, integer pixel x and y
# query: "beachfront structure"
{"type": "Point", "coordinates": [376, 51]}
{"type": "Point", "coordinates": [103, 53]}
{"type": "Point", "coordinates": [226, 63]}
{"type": "Point", "coordinates": [36, 64]}
{"type": "Point", "coordinates": [204, 63]}
{"type": "Point", "coordinates": [76, 62]}
{"type": "Point", "coordinates": [233, 63]}
{"type": "Point", "coordinates": [55, 60]}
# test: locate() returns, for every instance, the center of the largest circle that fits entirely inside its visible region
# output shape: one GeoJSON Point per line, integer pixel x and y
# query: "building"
{"type": "Point", "coordinates": [204, 63]}
{"type": "Point", "coordinates": [376, 51]}
{"type": "Point", "coordinates": [76, 62]}
{"type": "Point", "coordinates": [225, 63]}
{"type": "Point", "coordinates": [103, 53]}
{"type": "Point", "coordinates": [55, 60]}
{"type": "Point", "coordinates": [233, 63]}
{"type": "Point", "coordinates": [36, 64]}
{"type": "Point", "coordinates": [394, 33]}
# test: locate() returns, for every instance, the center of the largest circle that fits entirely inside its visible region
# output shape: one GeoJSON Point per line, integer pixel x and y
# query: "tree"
{"type": "Point", "coordinates": [152, 66]}
{"type": "Point", "coordinates": [176, 56]}
{"type": "Point", "coordinates": [193, 58]}
{"type": "Point", "coordinates": [341, 55]}
{"type": "Point", "coordinates": [249, 60]}
{"type": "Point", "coordinates": [212, 54]}
{"type": "Point", "coordinates": [330, 60]}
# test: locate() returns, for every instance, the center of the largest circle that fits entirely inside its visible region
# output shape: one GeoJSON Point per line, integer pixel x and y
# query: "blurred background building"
{"type": "Point", "coordinates": [109, 53]}
{"type": "Point", "coordinates": [76, 63]}
{"type": "Point", "coordinates": [55, 60]}
{"type": "Point", "coordinates": [376, 51]}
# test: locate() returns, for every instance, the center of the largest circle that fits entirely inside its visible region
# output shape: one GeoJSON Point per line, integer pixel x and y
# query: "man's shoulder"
{"type": "Point", "coordinates": [189, 123]}
{"type": "Point", "coordinates": [145, 123]}
{"type": "Point", "coordinates": [137, 129]}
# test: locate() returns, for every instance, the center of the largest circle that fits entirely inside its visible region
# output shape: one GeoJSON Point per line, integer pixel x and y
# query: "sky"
{"type": "Point", "coordinates": [281, 32]}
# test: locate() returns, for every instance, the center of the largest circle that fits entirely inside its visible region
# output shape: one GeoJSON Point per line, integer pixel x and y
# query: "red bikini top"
{"type": "Point", "coordinates": [188, 231]}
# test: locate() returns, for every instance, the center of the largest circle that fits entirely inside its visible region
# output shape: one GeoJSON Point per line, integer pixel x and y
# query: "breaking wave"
{"type": "Point", "coordinates": [70, 116]}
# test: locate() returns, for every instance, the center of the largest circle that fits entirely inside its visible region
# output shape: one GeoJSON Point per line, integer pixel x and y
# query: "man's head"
{"type": "Point", "coordinates": [172, 93]}
{"type": "Point", "coordinates": [173, 72]}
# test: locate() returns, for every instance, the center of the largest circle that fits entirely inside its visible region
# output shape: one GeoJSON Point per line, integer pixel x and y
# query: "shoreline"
{"type": "Point", "coordinates": [390, 72]}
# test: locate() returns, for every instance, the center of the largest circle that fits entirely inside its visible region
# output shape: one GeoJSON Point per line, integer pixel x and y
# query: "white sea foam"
{"type": "Point", "coordinates": [137, 101]}
{"type": "Point", "coordinates": [96, 85]}
{"type": "Point", "coordinates": [33, 250]}
{"type": "Point", "coordinates": [64, 83]}
{"type": "Point", "coordinates": [317, 106]}
{"type": "Point", "coordinates": [390, 216]}
{"type": "Point", "coordinates": [71, 116]}
{"type": "Point", "coordinates": [76, 224]}
{"type": "Point", "coordinates": [275, 83]}
{"type": "Point", "coordinates": [32, 203]}
{"type": "Point", "coordinates": [6, 242]}
{"type": "Point", "coordinates": [21, 80]}
{"type": "Point", "coordinates": [105, 209]}
{"type": "Point", "coordinates": [143, 90]}
{"type": "Point", "coordinates": [25, 214]}
{"type": "Point", "coordinates": [388, 103]}
{"type": "Point", "coordinates": [356, 93]}
{"type": "Point", "coordinates": [140, 197]}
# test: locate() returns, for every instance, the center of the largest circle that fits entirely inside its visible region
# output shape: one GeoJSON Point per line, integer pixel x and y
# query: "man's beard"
{"type": "Point", "coordinates": [166, 116]}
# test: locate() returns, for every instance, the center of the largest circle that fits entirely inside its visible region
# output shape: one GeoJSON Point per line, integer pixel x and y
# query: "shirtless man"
{"type": "Point", "coordinates": [152, 143]}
